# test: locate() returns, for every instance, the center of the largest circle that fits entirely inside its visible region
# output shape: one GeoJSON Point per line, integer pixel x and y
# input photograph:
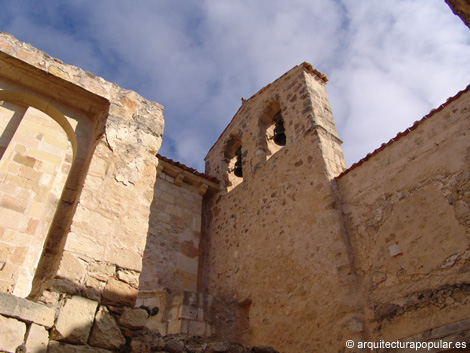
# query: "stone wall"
{"type": "Point", "coordinates": [407, 210]}
{"type": "Point", "coordinates": [91, 235]}
{"type": "Point", "coordinates": [63, 323]}
{"type": "Point", "coordinates": [171, 257]}
{"type": "Point", "coordinates": [33, 170]}
{"type": "Point", "coordinates": [95, 243]}
{"type": "Point", "coordinates": [378, 252]}
{"type": "Point", "coordinates": [274, 242]}
{"type": "Point", "coordinates": [293, 252]}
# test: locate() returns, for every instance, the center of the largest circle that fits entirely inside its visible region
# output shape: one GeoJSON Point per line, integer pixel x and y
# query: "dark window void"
{"type": "Point", "coordinates": [233, 161]}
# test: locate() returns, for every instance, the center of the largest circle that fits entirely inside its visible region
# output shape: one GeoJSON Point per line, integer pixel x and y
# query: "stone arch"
{"type": "Point", "coordinates": [233, 144]}
{"type": "Point", "coordinates": [266, 124]}
{"type": "Point", "coordinates": [26, 100]}
{"type": "Point", "coordinates": [39, 146]}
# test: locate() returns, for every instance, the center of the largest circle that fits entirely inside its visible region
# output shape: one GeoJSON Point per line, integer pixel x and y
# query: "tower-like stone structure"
{"type": "Point", "coordinates": [273, 237]}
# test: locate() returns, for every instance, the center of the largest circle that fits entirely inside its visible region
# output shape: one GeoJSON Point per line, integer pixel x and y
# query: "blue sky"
{"type": "Point", "coordinates": [388, 62]}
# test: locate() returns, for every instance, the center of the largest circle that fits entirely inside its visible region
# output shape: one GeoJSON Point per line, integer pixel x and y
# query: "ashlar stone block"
{"type": "Point", "coordinates": [75, 320]}
{"type": "Point", "coordinates": [37, 339]}
{"type": "Point", "coordinates": [197, 328]}
{"type": "Point", "coordinates": [12, 334]}
{"type": "Point", "coordinates": [120, 292]}
{"type": "Point", "coordinates": [26, 310]}
{"type": "Point", "coordinates": [133, 318]}
{"type": "Point", "coordinates": [106, 333]}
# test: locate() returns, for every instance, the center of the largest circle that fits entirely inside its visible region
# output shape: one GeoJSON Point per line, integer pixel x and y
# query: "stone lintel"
{"type": "Point", "coordinates": [50, 85]}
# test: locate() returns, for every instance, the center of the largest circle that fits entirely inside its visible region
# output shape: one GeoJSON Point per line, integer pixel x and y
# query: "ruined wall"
{"type": "Point", "coordinates": [172, 248]}
{"type": "Point", "coordinates": [169, 278]}
{"type": "Point", "coordinates": [408, 218]}
{"type": "Point", "coordinates": [171, 257]}
{"type": "Point", "coordinates": [33, 170]}
{"type": "Point", "coordinates": [40, 115]}
{"type": "Point", "coordinates": [274, 242]}
{"type": "Point", "coordinates": [102, 253]}
{"type": "Point", "coordinates": [25, 326]}
{"type": "Point", "coordinates": [93, 232]}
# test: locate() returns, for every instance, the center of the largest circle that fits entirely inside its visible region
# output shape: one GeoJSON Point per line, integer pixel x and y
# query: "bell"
{"type": "Point", "coordinates": [279, 132]}
{"type": "Point", "coordinates": [238, 171]}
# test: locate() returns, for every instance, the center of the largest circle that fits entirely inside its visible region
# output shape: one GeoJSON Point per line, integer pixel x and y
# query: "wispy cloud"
{"type": "Point", "coordinates": [388, 63]}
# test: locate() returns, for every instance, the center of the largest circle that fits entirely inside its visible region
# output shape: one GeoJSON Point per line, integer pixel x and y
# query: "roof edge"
{"type": "Point", "coordinates": [404, 133]}
{"type": "Point", "coordinates": [188, 169]}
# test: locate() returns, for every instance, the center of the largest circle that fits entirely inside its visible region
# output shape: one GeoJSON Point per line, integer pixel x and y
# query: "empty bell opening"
{"type": "Point", "coordinates": [279, 131]}
{"type": "Point", "coordinates": [238, 171]}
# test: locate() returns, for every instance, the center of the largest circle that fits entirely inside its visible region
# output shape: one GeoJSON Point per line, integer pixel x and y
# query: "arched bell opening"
{"type": "Point", "coordinates": [272, 131]}
{"type": "Point", "coordinates": [279, 136]}
{"type": "Point", "coordinates": [233, 159]}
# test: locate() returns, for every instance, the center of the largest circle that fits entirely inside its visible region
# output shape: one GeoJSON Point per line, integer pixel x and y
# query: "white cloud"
{"type": "Point", "coordinates": [404, 58]}
{"type": "Point", "coordinates": [388, 62]}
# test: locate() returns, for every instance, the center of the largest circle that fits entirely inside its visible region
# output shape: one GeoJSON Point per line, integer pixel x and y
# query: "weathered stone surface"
{"type": "Point", "coordinates": [133, 318]}
{"type": "Point", "coordinates": [101, 271]}
{"type": "Point", "coordinates": [262, 349]}
{"type": "Point", "coordinates": [37, 339]}
{"type": "Point", "coordinates": [50, 298]}
{"type": "Point", "coordinates": [144, 339]}
{"type": "Point", "coordinates": [114, 131]}
{"type": "Point", "coordinates": [105, 332]}
{"type": "Point", "coordinates": [64, 286]}
{"type": "Point", "coordinates": [405, 221]}
{"type": "Point", "coordinates": [75, 320]}
{"type": "Point", "coordinates": [172, 247]}
{"type": "Point", "coordinates": [139, 347]}
{"type": "Point", "coordinates": [71, 268]}
{"type": "Point", "coordinates": [224, 347]}
{"type": "Point", "coordinates": [184, 344]}
{"type": "Point", "coordinates": [12, 334]}
{"type": "Point", "coordinates": [26, 310]}
{"type": "Point", "coordinates": [197, 328]}
{"type": "Point", "coordinates": [130, 277]}
{"type": "Point", "coordinates": [277, 227]}
{"type": "Point", "coordinates": [60, 347]}
{"type": "Point", "coordinates": [24, 209]}
{"type": "Point", "coordinates": [120, 292]}
{"type": "Point", "coordinates": [174, 346]}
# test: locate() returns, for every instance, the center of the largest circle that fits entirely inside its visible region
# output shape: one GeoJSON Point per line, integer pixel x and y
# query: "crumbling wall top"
{"type": "Point", "coordinates": [56, 67]}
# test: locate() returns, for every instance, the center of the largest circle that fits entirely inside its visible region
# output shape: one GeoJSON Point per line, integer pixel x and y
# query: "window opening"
{"type": "Point", "coordinates": [272, 131]}
{"type": "Point", "coordinates": [238, 169]}
{"type": "Point", "coordinates": [233, 162]}
{"type": "Point", "coordinates": [279, 137]}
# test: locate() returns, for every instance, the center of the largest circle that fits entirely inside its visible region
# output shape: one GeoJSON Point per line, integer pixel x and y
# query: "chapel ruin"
{"type": "Point", "coordinates": [104, 242]}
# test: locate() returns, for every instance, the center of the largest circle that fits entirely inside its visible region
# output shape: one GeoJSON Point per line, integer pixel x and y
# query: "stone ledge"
{"type": "Point", "coordinates": [26, 310]}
